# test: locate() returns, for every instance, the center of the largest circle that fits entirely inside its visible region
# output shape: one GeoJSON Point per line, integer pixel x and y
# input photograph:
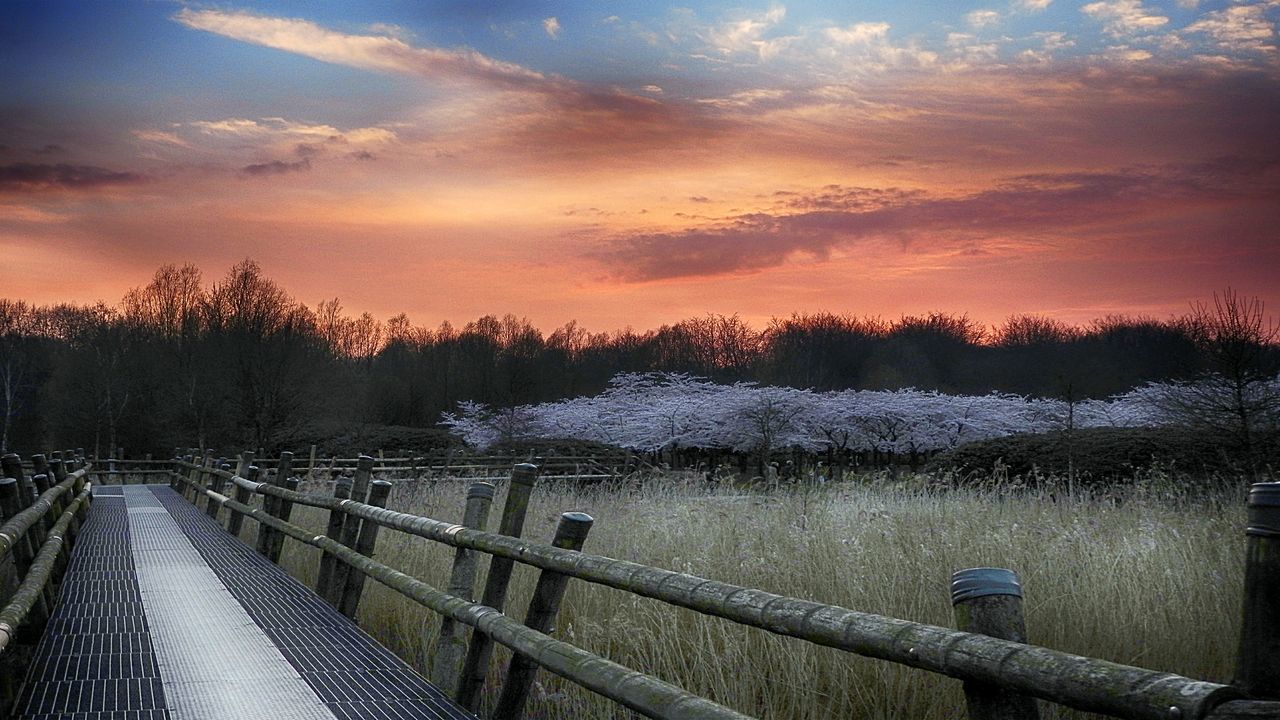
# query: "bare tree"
{"type": "Point", "coordinates": [170, 310]}
{"type": "Point", "coordinates": [16, 330]}
{"type": "Point", "coordinates": [1236, 394]}
{"type": "Point", "coordinates": [264, 337]}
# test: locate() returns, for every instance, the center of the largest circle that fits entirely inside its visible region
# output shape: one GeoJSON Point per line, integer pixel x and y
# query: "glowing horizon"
{"type": "Point", "coordinates": [637, 168]}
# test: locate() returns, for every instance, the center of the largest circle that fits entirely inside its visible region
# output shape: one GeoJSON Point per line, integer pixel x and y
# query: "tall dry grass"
{"type": "Point", "coordinates": [1152, 578]}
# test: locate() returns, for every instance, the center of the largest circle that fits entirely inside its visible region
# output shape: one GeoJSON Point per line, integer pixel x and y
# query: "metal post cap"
{"type": "Point", "coordinates": [1267, 493]}
{"type": "Point", "coordinates": [573, 529]}
{"type": "Point", "coordinates": [480, 490]}
{"type": "Point", "coordinates": [524, 473]}
{"type": "Point", "coordinates": [980, 582]}
{"type": "Point", "coordinates": [1264, 510]}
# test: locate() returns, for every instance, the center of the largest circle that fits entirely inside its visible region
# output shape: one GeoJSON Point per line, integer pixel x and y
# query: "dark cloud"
{"type": "Point", "coordinates": [1028, 206]}
{"type": "Point", "coordinates": [32, 176]}
{"type": "Point", "coordinates": [306, 150]}
{"type": "Point", "coordinates": [700, 199]}
{"type": "Point", "coordinates": [362, 155]}
{"type": "Point", "coordinates": [838, 197]}
{"type": "Point", "coordinates": [51, 149]}
{"type": "Point", "coordinates": [276, 167]}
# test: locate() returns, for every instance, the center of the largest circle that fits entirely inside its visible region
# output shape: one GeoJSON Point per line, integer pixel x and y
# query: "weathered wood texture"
{"type": "Point", "coordinates": [543, 608]}
{"type": "Point", "coordinates": [647, 695]}
{"type": "Point", "coordinates": [267, 538]}
{"type": "Point", "coordinates": [40, 574]}
{"type": "Point", "coordinates": [1246, 710]}
{"type": "Point", "coordinates": [21, 537]}
{"type": "Point", "coordinates": [479, 651]}
{"type": "Point", "coordinates": [351, 528]}
{"type": "Point", "coordinates": [365, 542]}
{"type": "Point", "coordinates": [1258, 669]}
{"type": "Point", "coordinates": [325, 585]}
{"type": "Point", "coordinates": [446, 657]}
{"type": "Point", "coordinates": [1082, 683]}
{"type": "Point", "coordinates": [989, 601]}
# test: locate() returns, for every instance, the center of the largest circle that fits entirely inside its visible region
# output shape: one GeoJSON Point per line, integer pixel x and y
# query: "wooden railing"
{"type": "Point", "coordinates": [41, 515]}
{"type": "Point", "coordinates": [312, 465]}
{"type": "Point", "coordinates": [991, 667]}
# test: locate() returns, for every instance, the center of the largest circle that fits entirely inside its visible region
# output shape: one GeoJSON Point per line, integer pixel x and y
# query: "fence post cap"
{"type": "Point", "coordinates": [1264, 494]}
{"type": "Point", "coordinates": [980, 582]}
{"type": "Point", "coordinates": [1264, 510]}
{"type": "Point", "coordinates": [524, 473]}
{"type": "Point", "coordinates": [480, 490]}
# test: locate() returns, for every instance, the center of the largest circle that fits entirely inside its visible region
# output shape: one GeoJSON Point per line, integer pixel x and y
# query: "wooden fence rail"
{"type": "Point", "coordinates": [643, 693]}
{"type": "Point", "coordinates": [1083, 683]}
{"type": "Point", "coordinates": [36, 539]}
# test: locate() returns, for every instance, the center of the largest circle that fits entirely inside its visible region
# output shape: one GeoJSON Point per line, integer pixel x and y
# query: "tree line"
{"type": "Point", "coordinates": [240, 362]}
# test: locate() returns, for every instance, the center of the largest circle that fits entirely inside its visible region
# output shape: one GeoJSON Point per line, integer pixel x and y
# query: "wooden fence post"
{"type": "Point", "coordinates": [266, 535]}
{"type": "Point", "coordinates": [82, 512]}
{"type": "Point", "coordinates": [1258, 664]}
{"type": "Point", "coordinates": [235, 520]}
{"type": "Point", "coordinates": [25, 549]}
{"type": "Point", "coordinates": [41, 483]}
{"type": "Point", "coordinates": [360, 484]}
{"type": "Point", "coordinates": [246, 461]}
{"type": "Point", "coordinates": [285, 509]}
{"type": "Point", "coordinates": [173, 474]}
{"type": "Point", "coordinates": [988, 601]}
{"type": "Point", "coordinates": [476, 666]}
{"type": "Point", "coordinates": [351, 528]}
{"type": "Point", "coordinates": [328, 563]}
{"type": "Point", "coordinates": [365, 541]}
{"type": "Point", "coordinates": [217, 483]}
{"type": "Point", "coordinates": [56, 471]}
{"type": "Point", "coordinates": [188, 489]}
{"type": "Point", "coordinates": [40, 466]}
{"type": "Point", "coordinates": [571, 533]}
{"type": "Point", "coordinates": [447, 658]}
{"type": "Point", "coordinates": [209, 462]}
{"type": "Point", "coordinates": [27, 495]}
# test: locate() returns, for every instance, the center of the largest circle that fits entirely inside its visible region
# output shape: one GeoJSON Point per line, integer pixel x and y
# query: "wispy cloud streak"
{"type": "Point", "coordinates": [369, 52]}
{"type": "Point", "coordinates": [1030, 207]}
{"type": "Point", "coordinates": [31, 177]}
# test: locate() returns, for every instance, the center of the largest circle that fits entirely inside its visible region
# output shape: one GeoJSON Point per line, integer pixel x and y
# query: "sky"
{"type": "Point", "coordinates": [633, 164]}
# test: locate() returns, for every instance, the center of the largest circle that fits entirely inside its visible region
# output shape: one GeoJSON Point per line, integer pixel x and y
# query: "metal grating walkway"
{"type": "Point", "coordinates": [164, 615]}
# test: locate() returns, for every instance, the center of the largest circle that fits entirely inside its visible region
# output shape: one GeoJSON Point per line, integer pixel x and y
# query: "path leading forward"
{"type": "Point", "coordinates": [165, 615]}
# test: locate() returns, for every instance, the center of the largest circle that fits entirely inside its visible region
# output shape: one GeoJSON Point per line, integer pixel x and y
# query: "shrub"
{"type": "Point", "coordinates": [1098, 455]}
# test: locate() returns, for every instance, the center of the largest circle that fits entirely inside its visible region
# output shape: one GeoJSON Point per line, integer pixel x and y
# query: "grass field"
{"type": "Point", "coordinates": [1150, 578]}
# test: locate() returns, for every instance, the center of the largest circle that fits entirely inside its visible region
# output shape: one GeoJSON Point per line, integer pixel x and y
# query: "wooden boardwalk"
{"type": "Point", "coordinates": [165, 615]}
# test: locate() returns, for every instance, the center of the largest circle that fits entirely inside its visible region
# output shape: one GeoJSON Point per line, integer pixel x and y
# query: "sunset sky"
{"type": "Point", "coordinates": [624, 163]}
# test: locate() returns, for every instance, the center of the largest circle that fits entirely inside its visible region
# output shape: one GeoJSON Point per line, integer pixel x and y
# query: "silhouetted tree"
{"type": "Point", "coordinates": [1235, 395]}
